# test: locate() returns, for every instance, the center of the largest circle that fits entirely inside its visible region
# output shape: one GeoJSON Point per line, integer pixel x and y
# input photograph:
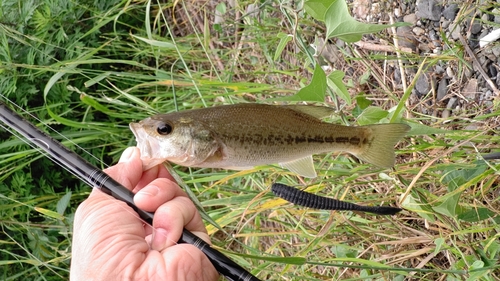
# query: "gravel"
{"type": "Point", "coordinates": [448, 86]}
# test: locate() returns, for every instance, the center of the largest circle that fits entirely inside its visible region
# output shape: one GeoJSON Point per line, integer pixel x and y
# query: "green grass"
{"type": "Point", "coordinates": [88, 71]}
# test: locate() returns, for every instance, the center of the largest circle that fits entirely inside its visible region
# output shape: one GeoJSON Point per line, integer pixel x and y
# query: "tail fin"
{"type": "Point", "coordinates": [380, 151]}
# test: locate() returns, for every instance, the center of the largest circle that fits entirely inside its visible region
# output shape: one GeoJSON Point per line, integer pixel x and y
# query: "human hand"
{"type": "Point", "coordinates": [110, 242]}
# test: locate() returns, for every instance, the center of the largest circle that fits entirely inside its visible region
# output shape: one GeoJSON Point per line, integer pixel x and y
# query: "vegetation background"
{"type": "Point", "coordinates": [88, 68]}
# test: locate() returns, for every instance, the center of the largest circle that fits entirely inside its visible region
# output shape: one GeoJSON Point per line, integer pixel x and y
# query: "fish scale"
{"type": "Point", "coordinates": [242, 136]}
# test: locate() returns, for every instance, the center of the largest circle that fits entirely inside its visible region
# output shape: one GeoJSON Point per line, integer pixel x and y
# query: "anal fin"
{"type": "Point", "coordinates": [302, 166]}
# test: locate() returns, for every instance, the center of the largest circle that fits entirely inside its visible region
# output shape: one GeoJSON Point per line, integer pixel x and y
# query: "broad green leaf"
{"type": "Point", "coordinates": [335, 82]}
{"type": "Point", "coordinates": [365, 77]}
{"type": "Point", "coordinates": [315, 91]}
{"type": "Point", "coordinates": [221, 8]}
{"type": "Point", "coordinates": [421, 129]}
{"type": "Point", "coordinates": [417, 203]}
{"type": "Point", "coordinates": [340, 24]}
{"type": "Point", "coordinates": [317, 8]}
{"type": "Point", "coordinates": [476, 215]}
{"type": "Point", "coordinates": [363, 102]}
{"type": "Point", "coordinates": [449, 206]}
{"type": "Point", "coordinates": [476, 273]}
{"type": "Point", "coordinates": [439, 242]}
{"type": "Point", "coordinates": [371, 115]}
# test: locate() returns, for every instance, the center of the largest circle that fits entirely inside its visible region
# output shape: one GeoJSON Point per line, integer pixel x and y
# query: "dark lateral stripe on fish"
{"type": "Point", "coordinates": [320, 139]}
{"type": "Point", "coordinates": [314, 201]}
{"type": "Point", "coordinates": [272, 139]}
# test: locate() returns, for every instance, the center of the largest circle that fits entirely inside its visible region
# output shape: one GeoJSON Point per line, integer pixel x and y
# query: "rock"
{"type": "Point", "coordinates": [455, 34]}
{"type": "Point", "coordinates": [452, 103]}
{"type": "Point", "coordinates": [429, 9]}
{"type": "Point", "coordinates": [445, 114]}
{"type": "Point", "coordinates": [485, 17]}
{"type": "Point", "coordinates": [397, 12]}
{"type": "Point", "coordinates": [397, 76]}
{"type": "Point", "coordinates": [496, 12]}
{"type": "Point", "coordinates": [496, 50]}
{"type": "Point", "coordinates": [472, 127]}
{"type": "Point", "coordinates": [470, 90]}
{"type": "Point", "coordinates": [450, 72]}
{"type": "Point", "coordinates": [439, 70]}
{"type": "Point", "coordinates": [476, 27]}
{"type": "Point", "coordinates": [450, 12]}
{"type": "Point", "coordinates": [442, 89]}
{"type": "Point", "coordinates": [446, 24]}
{"type": "Point", "coordinates": [473, 41]}
{"type": "Point", "coordinates": [411, 18]}
{"type": "Point", "coordinates": [418, 30]}
{"type": "Point", "coordinates": [423, 84]}
{"type": "Point", "coordinates": [406, 37]}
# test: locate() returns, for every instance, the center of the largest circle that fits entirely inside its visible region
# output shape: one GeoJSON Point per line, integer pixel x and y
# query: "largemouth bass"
{"type": "Point", "coordinates": [242, 136]}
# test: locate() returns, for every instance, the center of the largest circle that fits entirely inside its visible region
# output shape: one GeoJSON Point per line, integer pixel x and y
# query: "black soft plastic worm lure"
{"type": "Point", "coordinates": [310, 200]}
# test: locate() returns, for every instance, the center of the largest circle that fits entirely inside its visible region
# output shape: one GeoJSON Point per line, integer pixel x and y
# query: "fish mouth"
{"type": "Point", "coordinates": [147, 145]}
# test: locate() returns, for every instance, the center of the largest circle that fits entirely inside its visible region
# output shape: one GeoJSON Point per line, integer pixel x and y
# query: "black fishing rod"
{"type": "Point", "coordinates": [97, 178]}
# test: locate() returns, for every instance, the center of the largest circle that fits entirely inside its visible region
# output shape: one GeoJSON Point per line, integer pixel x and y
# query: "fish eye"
{"type": "Point", "coordinates": [164, 129]}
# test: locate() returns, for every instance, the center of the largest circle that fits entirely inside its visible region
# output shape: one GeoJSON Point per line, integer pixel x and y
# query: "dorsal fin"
{"type": "Point", "coordinates": [319, 112]}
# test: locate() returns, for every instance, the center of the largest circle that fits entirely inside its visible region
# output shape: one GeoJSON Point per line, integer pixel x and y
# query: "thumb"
{"type": "Point", "coordinates": [128, 170]}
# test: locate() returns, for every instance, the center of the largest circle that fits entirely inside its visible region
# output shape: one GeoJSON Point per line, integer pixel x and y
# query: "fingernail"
{"type": "Point", "coordinates": [159, 239]}
{"type": "Point", "coordinates": [127, 154]}
{"type": "Point", "coordinates": [150, 190]}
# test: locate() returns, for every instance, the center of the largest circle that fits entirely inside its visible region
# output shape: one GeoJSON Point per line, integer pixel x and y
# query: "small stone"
{"type": "Point", "coordinates": [467, 72]}
{"type": "Point", "coordinates": [496, 12]}
{"type": "Point", "coordinates": [450, 12]}
{"type": "Point", "coordinates": [485, 17]}
{"type": "Point", "coordinates": [397, 12]}
{"type": "Point", "coordinates": [455, 34]}
{"type": "Point", "coordinates": [445, 24]}
{"type": "Point", "coordinates": [473, 41]}
{"type": "Point", "coordinates": [423, 84]}
{"type": "Point", "coordinates": [424, 47]}
{"type": "Point", "coordinates": [496, 50]}
{"type": "Point", "coordinates": [432, 34]}
{"type": "Point", "coordinates": [486, 96]}
{"type": "Point", "coordinates": [397, 76]}
{"type": "Point", "coordinates": [450, 72]}
{"type": "Point", "coordinates": [418, 30]}
{"type": "Point", "coordinates": [476, 27]}
{"type": "Point", "coordinates": [439, 69]}
{"type": "Point", "coordinates": [406, 37]}
{"type": "Point", "coordinates": [452, 103]}
{"type": "Point", "coordinates": [411, 18]}
{"type": "Point", "coordinates": [429, 9]}
{"type": "Point", "coordinates": [442, 89]}
{"type": "Point", "coordinates": [470, 90]}
{"type": "Point", "coordinates": [445, 114]}
{"type": "Point", "coordinates": [472, 127]}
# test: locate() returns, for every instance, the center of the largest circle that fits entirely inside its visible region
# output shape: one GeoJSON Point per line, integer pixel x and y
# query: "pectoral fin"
{"type": "Point", "coordinates": [303, 166]}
